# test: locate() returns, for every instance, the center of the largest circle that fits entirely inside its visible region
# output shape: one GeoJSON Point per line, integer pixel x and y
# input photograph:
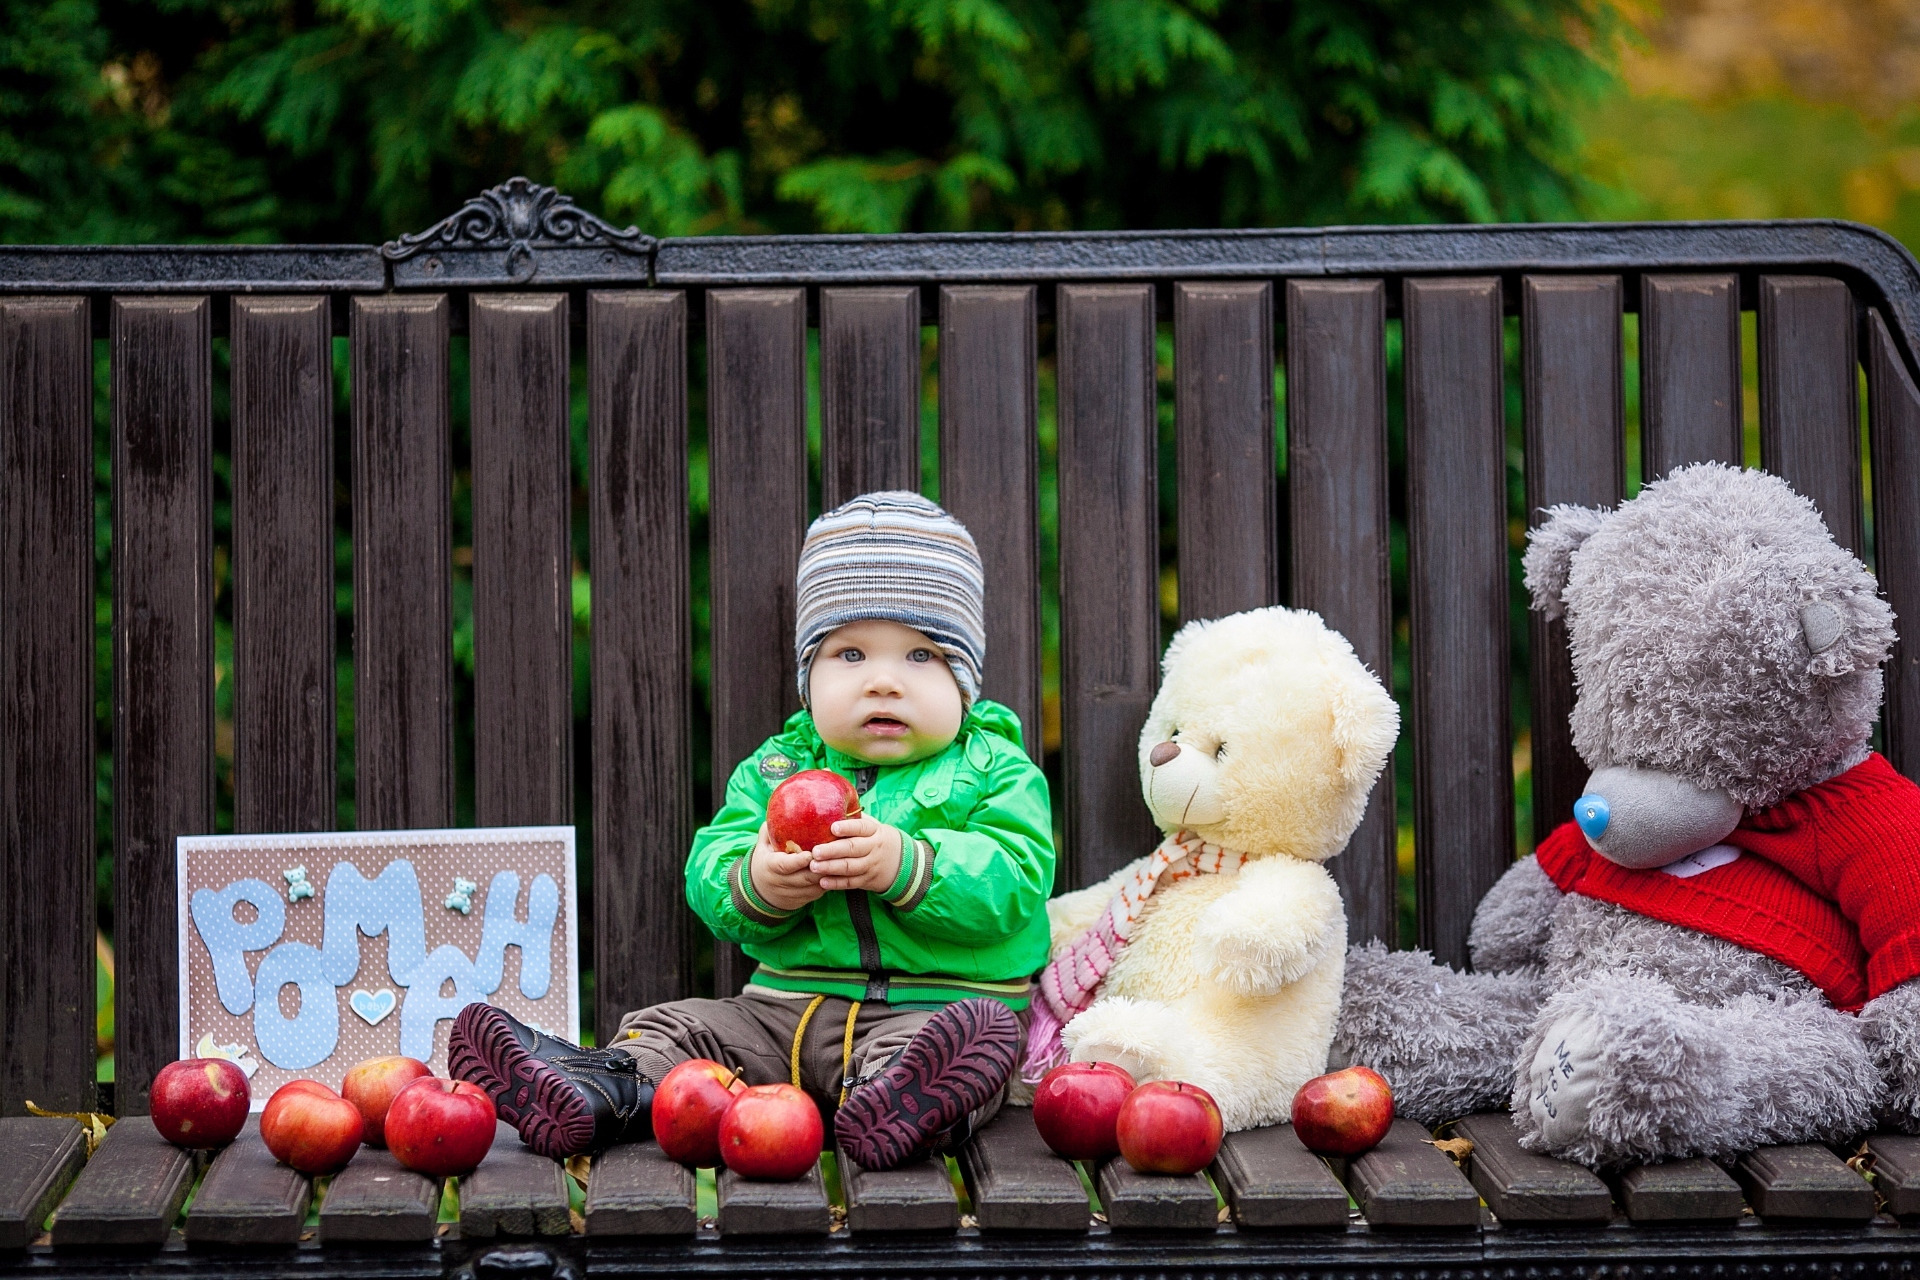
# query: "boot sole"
{"type": "Point", "coordinates": [952, 1066]}
{"type": "Point", "coordinates": [540, 1103]}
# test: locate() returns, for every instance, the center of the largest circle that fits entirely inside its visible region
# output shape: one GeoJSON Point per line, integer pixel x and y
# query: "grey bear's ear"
{"type": "Point", "coordinates": [1849, 633]}
{"type": "Point", "coordinates": [1550, 549]}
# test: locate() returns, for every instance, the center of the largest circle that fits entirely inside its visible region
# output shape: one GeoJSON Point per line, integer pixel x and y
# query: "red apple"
{"type": "Point", "coordinates": [310, 1127]}
{"type": "Point", "coordinates": [771, 1131]}
{"type": "Point", "coordinates": [687, 1109]}
{"type": "Point", "coordinates": [1343, 1112]}
{"type": "Point", "coordinates": [440, 1127]}
{"type": "Point", "coordinates": [1075, 1107]}
{"type": "Point", "coordinates": [200, 1102]}
{"type": "Point", "coordinates": [1169, 1127]}
{"type": "Point", "coordinates": [802, 810]}
{"type": "Point", "coordinates": [371, 1086]}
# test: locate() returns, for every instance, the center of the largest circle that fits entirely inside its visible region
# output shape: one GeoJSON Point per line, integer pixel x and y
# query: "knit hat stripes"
{"type": "Point", "coordinates": [896, 557]}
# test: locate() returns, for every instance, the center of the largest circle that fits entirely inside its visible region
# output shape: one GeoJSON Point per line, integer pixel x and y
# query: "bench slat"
{"type": "Point", "coordinates": [1223, 433]}
{"type": "Point", "coordinates": [749, 1208]}
{"type": "Point", "coordinates": [1894, 428]}
{"type": "Point", "coordinates": [1689, 371]}
{"type": "Point", "coordinates": [869, 392]}
{"type": "Point", "coordinates": [402, 609]}
{"type": "Point", "coordinates": [377, 1200]}
{"type": "Point", "coordinates": [914, 1197]}
{"type": "Point", "coordinates": [1523, 1187]}
{"type": "Point", "coordinates": [1810, 396]}
{"type": "Point", "coordinates": [1016, 1183]}
{"type": "Point", "coordinates": [248, 1197]}
{"type": "Point", "coordinates": [1338, 529]}
{"type": "Point", "coordinates": [1273, 1181]}
{"type": "Point", "coordinates": [1896, 1172]}
{"type": "Point", "coordinates": [634, 1190]}
{"type": "Point", "coordinates": [1408, 1182]}
{"type": "Point", "coordinates": [522, 561]}
{"type": "Point", "coordinates": [757, 450]}
{"type": "Point", "coordinates": [1696, 1190]}
{"type": "Point", "coordinates": [46, 685]}
{"type": "Point", "coordinates": [1109, 571]}
{"type": "Point", "coordinates": [1457, 566]}
{"type": "Point", "coordinates": [283, 709]}
{"type": "Point", "coordinates": [514, 1192]}
{"type": "Point", "coordinates": [1804, 1181]}
{"type": "Point", "coordinates": [1156, 1202]}
{"type": "Point", "coordinates": [163, 658]}
{"type": "Point", "coordinates": [43, 1156]}
{"type": "Point", "coordinates": [642, 657]}
{"type": "Point", "coordinates": [130, 1192]}
{"type": "Point", "coordinates": [1570, 347]}
{"type": "Point", "coordinates": [989, 475]}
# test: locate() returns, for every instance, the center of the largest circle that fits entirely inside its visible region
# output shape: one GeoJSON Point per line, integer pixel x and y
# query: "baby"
{"type": "Point", "coordinates": [893, 962]}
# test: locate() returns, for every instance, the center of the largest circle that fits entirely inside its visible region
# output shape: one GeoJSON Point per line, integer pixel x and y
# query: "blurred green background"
{"type": "Point", "coordinates": [357, 120]}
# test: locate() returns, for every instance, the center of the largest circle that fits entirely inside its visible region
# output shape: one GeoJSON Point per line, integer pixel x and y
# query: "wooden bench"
{"type": "Point", "coordinates": [709, 339]}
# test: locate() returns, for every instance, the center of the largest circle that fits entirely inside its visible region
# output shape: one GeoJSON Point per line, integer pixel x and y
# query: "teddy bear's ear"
{"type": "Point", "coordinates": [1366, 724]}
{"type": "Point", "coordinates": [1846, 634]}
{"type": "Point", "coordinates": [1550, 549]}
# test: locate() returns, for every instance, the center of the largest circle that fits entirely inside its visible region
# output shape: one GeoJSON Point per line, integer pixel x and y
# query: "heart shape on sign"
{"type": "Point", "coordinates": [373, 1005]}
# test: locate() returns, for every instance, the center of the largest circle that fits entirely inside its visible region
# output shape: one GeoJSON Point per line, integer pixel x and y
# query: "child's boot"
{"type": "Point", "coordinates": [563, 1100]}
{"type": "Point", "coordinates": [922, 1100]}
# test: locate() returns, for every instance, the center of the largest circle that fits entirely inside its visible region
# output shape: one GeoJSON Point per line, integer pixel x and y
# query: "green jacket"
{"type": "Point", "coordinates": [967, 915]}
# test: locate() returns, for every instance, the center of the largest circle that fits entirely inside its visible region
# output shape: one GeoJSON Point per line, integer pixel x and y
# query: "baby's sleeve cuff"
{"type": "Point", "coordinates": [746, 901]}
{"type": "Point", "coordinates": [916, 875]}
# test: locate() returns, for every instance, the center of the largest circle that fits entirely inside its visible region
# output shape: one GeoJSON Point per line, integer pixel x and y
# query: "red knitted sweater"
{"type": "Point", "coordinates": [1827, 881]}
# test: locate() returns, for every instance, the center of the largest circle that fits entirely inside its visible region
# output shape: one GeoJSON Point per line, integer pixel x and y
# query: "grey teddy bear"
{"type": "Point", "coordinates": [1726, 655]}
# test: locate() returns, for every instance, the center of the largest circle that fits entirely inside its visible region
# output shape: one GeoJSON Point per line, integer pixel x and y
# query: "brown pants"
{"type": "Point", "coordinates": [754, 1034]}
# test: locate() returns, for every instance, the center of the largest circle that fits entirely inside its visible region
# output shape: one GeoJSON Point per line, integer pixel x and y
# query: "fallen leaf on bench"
{"type": "Point", "coordinates": [1456, 1149]}
{"type": "Point", "coordinates": [95, 1123]}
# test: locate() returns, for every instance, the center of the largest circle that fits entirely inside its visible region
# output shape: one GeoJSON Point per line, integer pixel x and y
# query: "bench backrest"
{"type": "Point", "coordinates": [726, 323]}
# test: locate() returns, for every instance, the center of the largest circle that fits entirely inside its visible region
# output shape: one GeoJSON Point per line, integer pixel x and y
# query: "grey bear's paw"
{"type": "Point", "coordinates": [1891, 1025]}
{"type": "Point", "coordinates": [1513, 922]}
{"type": "Point", "coordinates": [1563, 1078]}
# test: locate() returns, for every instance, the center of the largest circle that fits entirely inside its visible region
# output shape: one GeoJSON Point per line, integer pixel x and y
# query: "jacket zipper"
{"type": "Point", "coordinates": [860, 911]}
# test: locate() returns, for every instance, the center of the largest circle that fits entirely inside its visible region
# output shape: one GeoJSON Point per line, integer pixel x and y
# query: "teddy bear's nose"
{"type": "Point", "coordinates": [1162, 753]}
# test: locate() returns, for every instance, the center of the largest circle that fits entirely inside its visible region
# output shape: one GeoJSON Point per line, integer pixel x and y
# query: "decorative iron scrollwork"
{"type": "Point", "coordinates": [521, 217]}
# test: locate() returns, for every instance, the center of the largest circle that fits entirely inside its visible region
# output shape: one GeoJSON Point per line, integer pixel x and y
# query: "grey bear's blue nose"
{"type": "Point", "coordinates": [1591, 812]}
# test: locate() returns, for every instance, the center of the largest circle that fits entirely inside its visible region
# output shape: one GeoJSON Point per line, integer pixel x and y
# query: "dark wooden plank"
{"type": "Point", "coordinates": [1689, 372]}
{"type": "Point", "coordinates": [989, 475]}
{"type": "Point", "coordinates": [1696, 1190]}
{"type": "Point", "coordinates": [377, 1200]}
{"type": "Point", "coordinates": [283, 615]}
{"type": "Point", "coordinates": [1109, 571]}
{"type": "Point", "coordinates": [1223, 440]}
{"type": "Point", "coordinates": [1522, 1187]}
{"type": "Point", "coordinates": [402, 572]}
{"type": "Point", "coordinates": [1893, 424]}
{"type": "Point", "coordinates": [757, 451]}
{"type": "Point", "coordinates": [129, 1193]}
{"type": "Point", "coordinates": [1457, 565]}
{"type": "Point", "coordinates": [1804, 1181]}
{"type": "Point", "coordinates": [1156, 1202]}
{"type": "Point", "coordinates": [46, 705]}
{"type": "Point", "coordinates": [1338, 531]}
{"type": "Point", "coordinates": [1896, 1172]}
{"type": "Point", "coordinates": [869, 392]}
{"type": "Point", "coordinates": [1407, 1182]}
{"type": "Point", "coordinates": [634, 1190]}
{"type": "Point", "coordinates": [914, 1197]}
{"type": "Point", "coordinates": [1016, 1183]}
{"type": "Point", "coordinates": [749, 1208]}
{"type": "Point", "coordinates": [1271, 1181]}
{"type": "Point", "coordinates": [162, 658]}
{"type": "Point", "coordinates": [1810, 396]}
{"type": "Point", "coordinates": [1576, 453]}
{"type": "Point", "coordinates": [522, 561]}
{"type": "Point", "coordinates": [514, 1192]}
{"type": "Point", "coordinates": [43, 1156]}
{"type": "Point", "coordinates": [248, 1197]}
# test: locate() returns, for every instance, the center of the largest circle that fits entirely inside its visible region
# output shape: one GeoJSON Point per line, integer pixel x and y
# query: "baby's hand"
{"type": "Point", "coordinates": [782, 879]}
{"type": "Point", "coordinates": [866, 856]}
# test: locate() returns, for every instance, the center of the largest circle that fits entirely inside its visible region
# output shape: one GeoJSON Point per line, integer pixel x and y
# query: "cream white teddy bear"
{"type": "Point", "coordinates": [1217, 959]}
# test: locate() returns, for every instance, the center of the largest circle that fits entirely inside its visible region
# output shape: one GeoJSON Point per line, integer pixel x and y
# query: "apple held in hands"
{"type": "Point", "coordinates": [440, 1127]}
{"type": "Point", "coordinates": [1343, 1113]}
{"type": "Point", "coordinates": [372, 1086]}
{"type": "Point", "coordinates": [688, 1106]}
{"type": "Point", "coordinates": [1169, 1127]}
{"type": "Point", "coordinates": [771, 1131]}
{"type": "Point", "coordinates": [200, 1102]}
{"type": "Point", "coordinates": [802, 810]}
{"type": "Point", "coordinates": [1076, 1106]}
{"type": "Point", "coordinates": [310, 1127]}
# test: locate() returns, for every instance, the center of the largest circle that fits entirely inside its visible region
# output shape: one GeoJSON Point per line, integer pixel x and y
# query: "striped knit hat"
{"type": "Point", "coordinates": [899, 558]}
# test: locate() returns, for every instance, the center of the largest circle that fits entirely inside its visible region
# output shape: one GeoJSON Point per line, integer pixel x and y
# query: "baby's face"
{"type": "Point", "coordinates": [883, 693]}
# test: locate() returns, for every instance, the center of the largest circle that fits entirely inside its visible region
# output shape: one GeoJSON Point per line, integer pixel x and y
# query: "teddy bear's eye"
{"type": "Point", "coordinates": [1220, 752]}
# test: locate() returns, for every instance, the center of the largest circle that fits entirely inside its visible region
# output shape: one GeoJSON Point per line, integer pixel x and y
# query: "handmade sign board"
{"type": "Point", "coordinates": [301, 955]}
